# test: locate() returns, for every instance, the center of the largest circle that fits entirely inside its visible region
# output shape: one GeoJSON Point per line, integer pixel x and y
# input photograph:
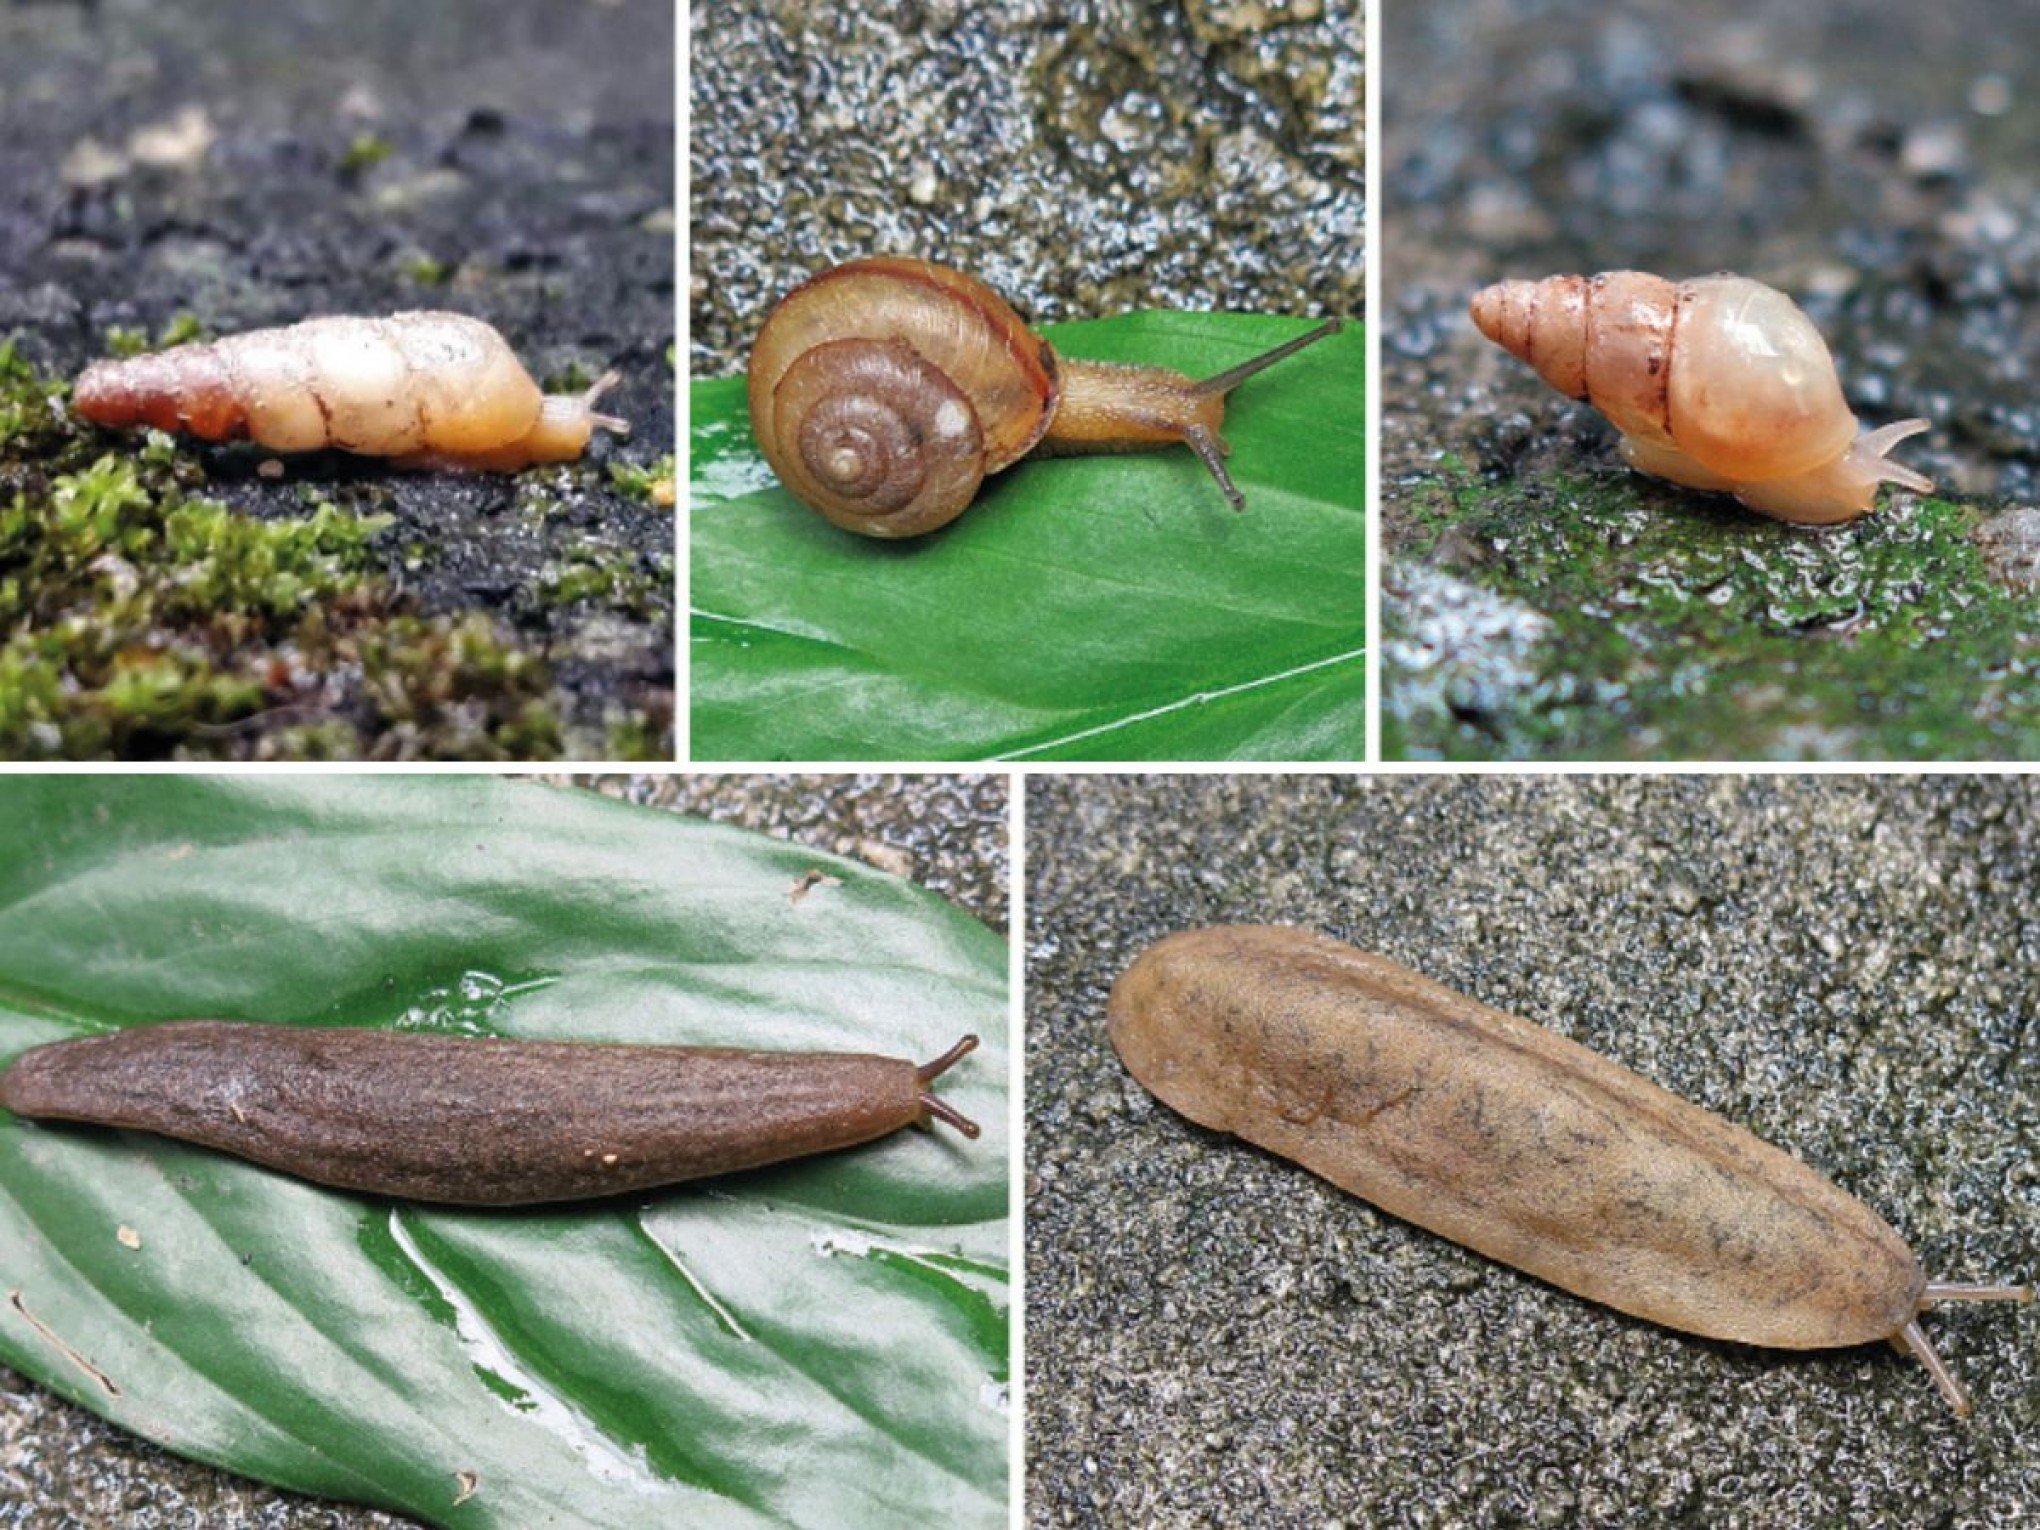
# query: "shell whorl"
{"type": "Point", "coordinates": [876, 438]}
{"type": "Point", "coordinates": [923, 339]}
{"type": "Point", "coordinates": [1728, 371]}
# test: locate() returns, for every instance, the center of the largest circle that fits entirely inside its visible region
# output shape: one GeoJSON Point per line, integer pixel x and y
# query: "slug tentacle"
{"type": "Point", "coordinates": [1937, 1292]}
{"type": "Point", "coordinates": [1913, 1340]}
{"type": "Point", "coordinates": [933, 1104]}
{"type": "Point", "coordinates": [1721, 384]}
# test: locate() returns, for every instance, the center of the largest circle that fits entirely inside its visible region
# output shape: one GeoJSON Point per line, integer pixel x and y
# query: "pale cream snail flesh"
{"type": "Point", "coordinates": [1720, 383]}
{"type": "Point", "coordinates": [884, 391]}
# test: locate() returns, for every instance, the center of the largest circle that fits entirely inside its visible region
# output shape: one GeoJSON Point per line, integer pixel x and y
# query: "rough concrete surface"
{"type": "Point", "coordinates": [1085, 157]}
{"type": "Point", "coordinates": [176, 167]}
{"type": "Point", "coordinates": [62, 1467]}
{"type": "Point", "coordinates": [1846, 965]}
{"type": "Point", "coordinates": [1874, 161]}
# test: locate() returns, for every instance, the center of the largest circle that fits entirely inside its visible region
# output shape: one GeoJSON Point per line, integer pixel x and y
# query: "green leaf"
{"type": "Point", "coordinates": [820, 1343]}
{"type": "Point", "coordinates": [1108, 608]}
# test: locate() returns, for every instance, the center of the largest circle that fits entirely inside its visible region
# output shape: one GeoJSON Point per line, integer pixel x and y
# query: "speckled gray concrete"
{"type": "Point", "coordinates": [1846, 965]}
{"type": "Point", "coordinates": [1085, 157]}
{"type": "Point", "coordinates": [63, 1467]}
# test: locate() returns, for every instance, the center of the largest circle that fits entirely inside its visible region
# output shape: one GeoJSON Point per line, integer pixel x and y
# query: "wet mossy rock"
{"type": "Point", "coordinates": [1604, 617]}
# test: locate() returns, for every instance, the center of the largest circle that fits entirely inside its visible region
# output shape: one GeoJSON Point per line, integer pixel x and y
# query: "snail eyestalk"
{"type": "Point", "coordinates": [616, 425]}
{"type": "Point", "coordinates": [940, 1109]}
{"type": "Point", "coordinates": [1224, 382]}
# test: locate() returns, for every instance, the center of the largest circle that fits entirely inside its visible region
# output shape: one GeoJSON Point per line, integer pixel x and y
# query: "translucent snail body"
{"type": "Point", "coordinates": [883, 392]}
{"type": "Point", "coordinates": [1721, 383]}
{"type": "Point", "coordinates": [431, 390]}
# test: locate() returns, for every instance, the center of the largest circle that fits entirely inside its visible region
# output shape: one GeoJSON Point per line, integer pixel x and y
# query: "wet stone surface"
{"type": "Point", "coordinates": [1845, 965]}
{"type": "Point", "coordinates": [1873, 161]}
{"type": "Point", "coordinates": [191, 167]}
{"type": "Point", "coordinates": [1084, 157]}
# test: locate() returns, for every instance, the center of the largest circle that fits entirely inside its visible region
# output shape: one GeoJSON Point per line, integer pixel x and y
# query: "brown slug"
{"type": "Point", "coordinates": [1518, 1143]}
{"type": "Point", "coordinates": [473, 1121]}
{"type": "Point", "coordinates": [431, 390]}
{"type": "Point", "coordinates": [884, 391]}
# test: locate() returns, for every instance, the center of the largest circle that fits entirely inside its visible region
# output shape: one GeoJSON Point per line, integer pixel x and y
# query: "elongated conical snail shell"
{"type": "Point", "coordinates": [1720, 383]}
{"type": "Point", "coordinates": [430, 389]}
{"type": "Point", "coordinates": [883, 392]}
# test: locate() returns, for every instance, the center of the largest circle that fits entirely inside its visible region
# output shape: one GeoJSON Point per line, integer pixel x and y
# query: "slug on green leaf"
{"type": "Point", "coordinates": [472, 1121]}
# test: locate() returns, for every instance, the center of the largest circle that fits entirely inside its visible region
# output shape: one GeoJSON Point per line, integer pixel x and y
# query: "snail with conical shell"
{"type": "Point", "coordinates": [884, 391]}
{"type": "Point", "coordinates": [1721, 383]}
{"type": "Point", "coordinates": [429, 390]}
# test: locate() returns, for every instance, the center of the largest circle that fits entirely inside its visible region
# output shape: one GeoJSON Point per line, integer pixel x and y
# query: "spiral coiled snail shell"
{"type": "Point", "coordinates": [1721, 383]}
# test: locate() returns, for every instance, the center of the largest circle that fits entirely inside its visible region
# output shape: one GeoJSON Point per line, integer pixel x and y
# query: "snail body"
{"type": "Point", "coordinates": [1720, 383]}
{"type": "Point", "coordinates": [430, 390]}
{"type": "Point", "coordinates": [883, 392]}
{"type": "Point", "coordinates": [1518, 1143]}
{"type": "Point", "coordinates": [470, 1121]}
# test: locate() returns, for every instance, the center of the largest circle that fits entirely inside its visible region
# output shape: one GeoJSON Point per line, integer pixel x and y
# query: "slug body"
{"type": "Point", "coordinates": [1516, 1142]}
{"type": "Point", "coordinates": [469, 1121]}
{"type": "Point", "coordinates": [431, 390]}
{"type": "Point", "coordinates": [883, 392]}
{"type": "Point", "coordinates": [1721, 383]}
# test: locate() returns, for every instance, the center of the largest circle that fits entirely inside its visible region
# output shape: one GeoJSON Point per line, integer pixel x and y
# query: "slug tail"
{"type": "Point", "coordinates": [1914, 1342]}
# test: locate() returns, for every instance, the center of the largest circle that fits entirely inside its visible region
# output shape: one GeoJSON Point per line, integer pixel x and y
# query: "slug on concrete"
{"type": "Point", "coordinates": [1518, 1143]}
{"type": "Point", "coordinates": [471, 1121]}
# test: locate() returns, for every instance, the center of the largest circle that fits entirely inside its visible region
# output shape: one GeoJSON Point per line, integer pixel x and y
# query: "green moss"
{"type": "Point", "coordinates": [425, 270]}
{"type": "Point", "coordinates": [651, 483]}
{"type": "Point", "coordinates": [636, 738]}
{"type": "Point", "coordinates": [1684, 627]}
{"type": "Point", "coordinates": [364, 153]}
{"type": "Point", "coordinates": [183, 328]}
{"type": "Point", "coordinates": [617, 580]}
